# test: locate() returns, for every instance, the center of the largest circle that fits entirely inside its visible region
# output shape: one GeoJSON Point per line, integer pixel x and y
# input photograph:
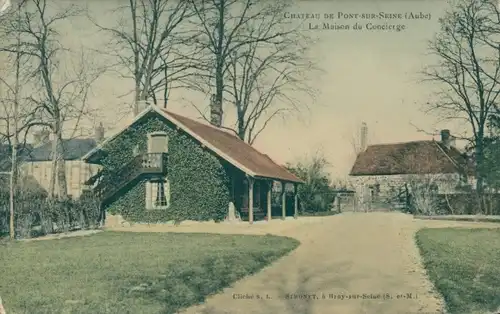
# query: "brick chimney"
{"type": "Point", "coordinates": [215, 112]}
{"type": "Point", "coordinates": [99, 133]}
{"type": "Point", "coordinates": [446, 138]}
{"type": "Point", "coordinates": [363, 141]}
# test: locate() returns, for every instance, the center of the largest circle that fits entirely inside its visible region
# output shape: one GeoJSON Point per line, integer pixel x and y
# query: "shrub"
{"type": "Point", "coordinates": [316, 194]}
{"type": "Point", "coordinates": [36, 210]}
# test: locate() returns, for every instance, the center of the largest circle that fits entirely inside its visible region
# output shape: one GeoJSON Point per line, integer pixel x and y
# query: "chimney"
{"type": "Point", "coordinates": [215, 112]}
{"type": "Point", "coordinates": [99, 133]}
{"type": "Point", "coordinates": [446, 138]}
{"type": "Point", "coordinates": [363, 141]}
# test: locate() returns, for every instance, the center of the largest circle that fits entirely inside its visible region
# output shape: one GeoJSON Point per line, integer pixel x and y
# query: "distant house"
{"type": "Point", "coordinates": [35, 161]}
{"type": "Point", "coordinates": [164, 166]}
{"type": "Point", "coordinates": [386, 168]}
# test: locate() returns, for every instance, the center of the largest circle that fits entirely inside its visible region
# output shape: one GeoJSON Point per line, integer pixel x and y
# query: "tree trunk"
{"type": "Point", "coordinates": [241, 126]}
{"type": "Point", "coordinates": [61, 168]}
{"type": "Point", "coordinates": [480, 176]}
{"type": "Point", "coordinates": [13, 184]}
{"type": "Point", "coordinates": [62, 191]}
{"type": "Point", "coordinates": [15, 139]}
{"type": "Point", "coordinates": [219, 67]}
{"type": "Point", "coordinates": [135, 109]}
{"type": "Point", "coordinates": [53, 168]}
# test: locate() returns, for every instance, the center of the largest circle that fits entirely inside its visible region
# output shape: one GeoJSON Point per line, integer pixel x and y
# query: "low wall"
{"type": "Point", "coordinates": [476, 218]}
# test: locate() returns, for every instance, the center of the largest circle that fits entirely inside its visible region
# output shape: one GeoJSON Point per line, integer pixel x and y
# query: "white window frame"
{"type": "Point", "coordinates": [151, 193]}
{"type": "Point", "coordinates": [151, 186]}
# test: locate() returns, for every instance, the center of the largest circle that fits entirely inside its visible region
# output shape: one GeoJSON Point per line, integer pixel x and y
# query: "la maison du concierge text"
{"type": "Point", "coordinates": [380, 21]}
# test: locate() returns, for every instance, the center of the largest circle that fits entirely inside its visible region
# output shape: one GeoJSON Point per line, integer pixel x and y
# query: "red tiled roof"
{"type": "Point", "coordinates": [236, 149]}
{"type": "Point", "coordinates": [420, 157]}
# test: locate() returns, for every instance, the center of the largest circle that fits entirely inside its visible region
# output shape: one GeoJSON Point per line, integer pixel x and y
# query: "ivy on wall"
{"type": "Point", "coordinates": [198, 181]}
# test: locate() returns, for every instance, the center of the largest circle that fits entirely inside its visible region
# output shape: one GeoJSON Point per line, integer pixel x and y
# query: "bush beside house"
{"type": "Point", "coordinates": [316, 195]}
{"type": "Point", "coordinates": [199, 184]}
{"type": "Point", "coordinates": [36, 214]}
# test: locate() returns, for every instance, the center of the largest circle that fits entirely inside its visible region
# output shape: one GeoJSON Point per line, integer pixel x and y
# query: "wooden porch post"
{"type": "Point", "coordinates": [283, 200]}
{"type": "Point", "coordinates": [296, 200]}
{"type": "Point", "coordinates": [269, 191]}
{"type": "Point", "coordinates": [250, 199]}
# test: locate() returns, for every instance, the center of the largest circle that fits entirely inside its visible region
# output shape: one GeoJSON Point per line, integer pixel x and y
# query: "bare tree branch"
{"type": "Point", "coordinates": [254, 60]}
{"type": "Point", "coordinates": [147, 44]}
{"type": "Point", "coordinates": [468, 70]}
{"type": "Point", "coordinates": [60, 88]}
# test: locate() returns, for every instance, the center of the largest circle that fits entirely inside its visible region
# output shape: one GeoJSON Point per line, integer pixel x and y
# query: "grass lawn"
{"type": "Point", "coordinates": [119, 272]}
{"type": "Point", "coordinates": [464, 265]}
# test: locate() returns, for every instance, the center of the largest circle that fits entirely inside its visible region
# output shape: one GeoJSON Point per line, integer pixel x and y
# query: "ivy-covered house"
{"type": "Point", "coordinates": [164, 166]}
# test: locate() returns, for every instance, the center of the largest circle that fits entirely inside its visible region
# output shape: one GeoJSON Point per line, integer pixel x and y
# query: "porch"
{"type": "Point", "coordinates": [265, 199]}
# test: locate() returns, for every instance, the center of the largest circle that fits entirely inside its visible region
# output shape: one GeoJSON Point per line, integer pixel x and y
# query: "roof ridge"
{"type": "Point", "coordinates": [205, 124]}
{"type": "Point", "coordinates": [221, 146]}
{"type": "Point", "coordinates": [222, 130]}
{"type": "Point", "coordinates": [218, 129]}
{"type": "Point", "coordinates": [400, 143]}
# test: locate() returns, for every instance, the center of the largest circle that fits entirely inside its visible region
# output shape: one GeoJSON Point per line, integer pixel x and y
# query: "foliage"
{"type": "Point", "coordinates": [36, 214]}
{"type": "Point", "coordinates": [317, 194]}
{"type": "Point", "coordinates": [129, 272]}
{"type": "Point", "coordinates": [466, 204]}
{"type": "Point", "coordinates": [423, 194]}
{"type": "Point", "coordinates": [463, 265]}
{"type": "Point", "coordinates": [491, 166]}
{"type": "Point", "coordinates": [198, 180]}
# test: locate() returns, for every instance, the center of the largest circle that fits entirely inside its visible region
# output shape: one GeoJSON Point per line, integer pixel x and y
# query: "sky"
{"type": "Point", "coordinates": [368, 76]}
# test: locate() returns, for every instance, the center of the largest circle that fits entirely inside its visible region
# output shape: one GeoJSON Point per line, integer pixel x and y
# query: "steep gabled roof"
{"type": "Point", "coordinates": [419, 157]}
{"type": "Point", "coordinates": [225, 145]}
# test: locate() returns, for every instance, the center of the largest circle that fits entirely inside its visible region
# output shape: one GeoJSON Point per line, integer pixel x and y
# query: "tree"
{"type": "Point", "coordinates": [15, 120]}
{"type": "Point", "coordinates": [60, 87]}
{"type": "Point", "coordinates": [468, 71]}
{"type": "Point", "coordinates": [249, 54]}
{"type": "Point", "coordinates": [316, 194]}
{"type": "Point", "coordinates": [264, 77]}
{"type": "Point", "coordinates": [146, 42]}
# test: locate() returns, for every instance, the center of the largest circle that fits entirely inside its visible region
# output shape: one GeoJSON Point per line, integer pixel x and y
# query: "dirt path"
{"type": "Point", "coordinates": [349, 254]}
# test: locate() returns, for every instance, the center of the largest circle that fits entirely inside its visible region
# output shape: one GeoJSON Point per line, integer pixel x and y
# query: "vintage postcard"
{"type": "Point", "coordinates": [249, 156]}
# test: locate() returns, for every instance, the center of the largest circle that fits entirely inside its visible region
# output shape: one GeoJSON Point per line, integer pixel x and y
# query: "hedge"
{"type": "Point", "coordinates": [50, 215]}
